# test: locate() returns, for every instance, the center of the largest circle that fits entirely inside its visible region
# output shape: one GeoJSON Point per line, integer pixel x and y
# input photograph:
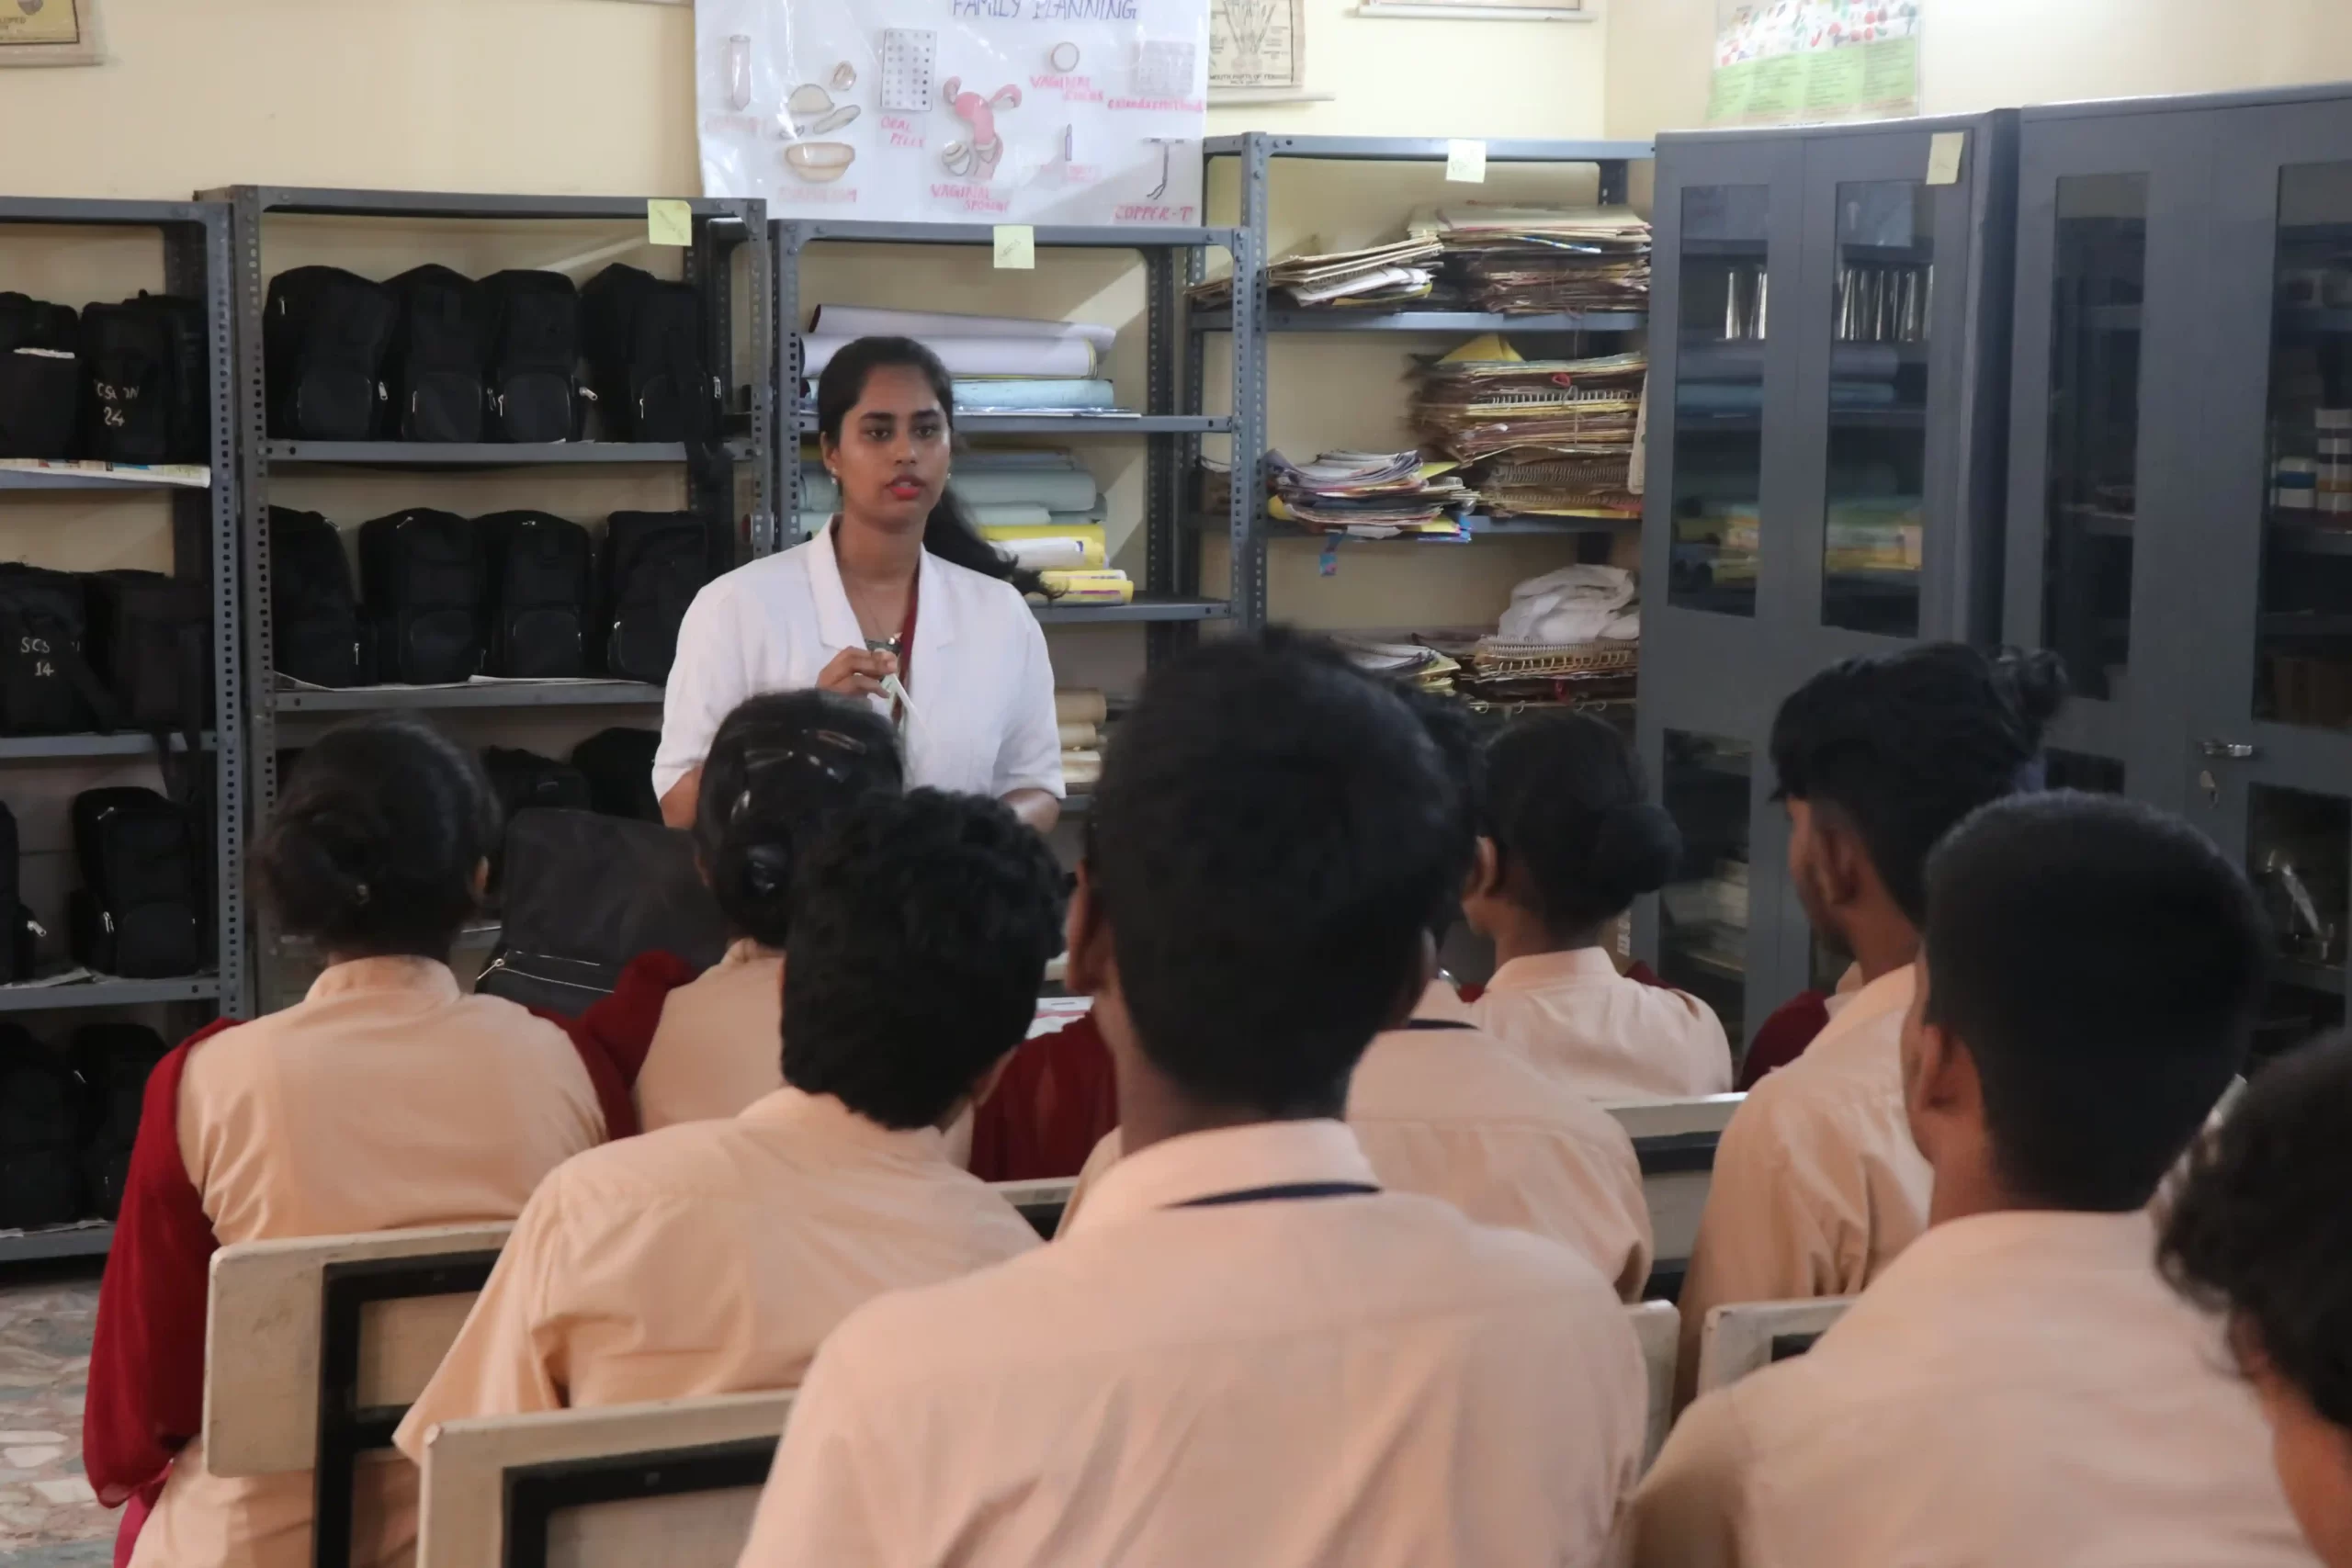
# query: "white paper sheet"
{"type": "Point", "coordinates": [867, 321]}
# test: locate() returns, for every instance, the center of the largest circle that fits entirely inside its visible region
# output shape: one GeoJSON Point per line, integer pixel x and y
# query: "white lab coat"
{"type": "Point", "coordinates": [982, 684]}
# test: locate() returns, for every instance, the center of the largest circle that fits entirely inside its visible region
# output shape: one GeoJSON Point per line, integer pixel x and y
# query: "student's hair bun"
{"type": "Point", "coordinates": [1566, 806]}
{"type": "Point", "coordinates": [780, 768]}
{"type": "Point", "coordinates": [375, 843]}
{"type": "Point", "coordinates": [1634, 850]}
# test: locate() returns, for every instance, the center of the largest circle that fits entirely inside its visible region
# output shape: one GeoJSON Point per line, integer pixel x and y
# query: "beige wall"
{"type": "Point", "coordinates": [1983, 54]}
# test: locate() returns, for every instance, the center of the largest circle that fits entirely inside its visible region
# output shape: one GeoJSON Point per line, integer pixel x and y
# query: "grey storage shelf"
{"type": "Point", "coordinates": [722, 229]}
{"type": "Point", "coordinates": [61, 1240]}
{"type": "Point", "coordinates": [108, 993]}
{"type": "Point", "coordinates": [482, 454]}
{"type": "Point", "coordinates": [1449, 322]}
{"type": "Point", "coordinates": [1168, 603]}
{"type": "Point", "coordinates": [502, 694]}
{"type": "Point", "coordinates": [1253, 319]}
{"type": "Point", "coordinates": [198, 265]}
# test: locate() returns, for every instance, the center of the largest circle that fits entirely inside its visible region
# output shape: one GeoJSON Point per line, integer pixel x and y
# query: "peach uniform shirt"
{"type": "Point", "coordinates": [1603, 1035]}
{"type": "Point", "coordinates": [2020, 1388]}
{"type": "Point", "coordinates": [711, 1259]}
{"type": "Point", "coordinates": [1369, 1380]}
{"type": "Point", "coordinates": [719, 1043]}
{"type": "Point", "coordinates": [1817, 1185]}
{"type": "Point", "coordinates": [1454, 1113]}
{"type": "Point", "coordinates": [385, 1100]}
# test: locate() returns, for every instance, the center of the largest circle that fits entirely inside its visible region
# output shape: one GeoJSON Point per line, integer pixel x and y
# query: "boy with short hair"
{"type": "Point", "coordinates": [713, 1257]}
{"type": "Point", "coordinates": [1244, 1351]}
{"type": "Point", "coordinates": [2021, 1386]}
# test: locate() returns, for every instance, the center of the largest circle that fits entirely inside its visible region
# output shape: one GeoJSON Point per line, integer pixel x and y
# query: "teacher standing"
{"type": "Point", "coordinates": [899, 600]}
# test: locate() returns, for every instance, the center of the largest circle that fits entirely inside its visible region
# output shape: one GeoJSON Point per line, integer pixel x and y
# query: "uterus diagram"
{"type": "Point", "coordinates": [976, 154]}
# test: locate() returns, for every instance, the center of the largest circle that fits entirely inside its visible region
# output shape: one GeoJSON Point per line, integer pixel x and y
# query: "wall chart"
{"type": "Point", "coordinates": [956, 111]}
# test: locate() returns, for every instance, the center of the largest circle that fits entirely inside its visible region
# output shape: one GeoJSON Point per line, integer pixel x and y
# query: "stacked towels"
{"type": "Point", "coordinates": [1000, 364]}
{"type": "Point", "coordinates": [1081, 713]}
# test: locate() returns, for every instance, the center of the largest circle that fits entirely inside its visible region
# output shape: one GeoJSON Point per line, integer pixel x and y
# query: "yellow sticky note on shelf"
{"type": "Point", "coordinates": [1944, 153]}
{"type": "Point", "coordinates": [669, 222]}
{"type": "Point", "coordinates": [1016, 247]}
{"type": "Point", "coordinates": [1465, 163]}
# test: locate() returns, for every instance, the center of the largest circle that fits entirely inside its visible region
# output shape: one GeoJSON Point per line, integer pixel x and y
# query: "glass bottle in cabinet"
{"type": "Point", "coordinates": [2303, 671]}
{"type": "Point", "coordinates": [1882, 305]}
{"type": "Point", "coordinates": [2098, 287]}
{"type": "Point", "coordinates": [1719, 397]}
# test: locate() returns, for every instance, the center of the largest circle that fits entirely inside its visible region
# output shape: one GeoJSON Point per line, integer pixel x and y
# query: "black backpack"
{"type": "Point", "coordinates": [40, 377]}
{"type": "Point", "coordinates": [648, 358]}
{"type": "Point", "coordinates": [314, 613]}
{"type": "Point", "coordinates": [151, 646]}
{"type": "Point", "coordinates": [114, 1060]}
{"type": "Point", "coordinates": [433, 369]}
{"type": "Point", "coordinates": [325, 336]}
{"type": "Point", "coordinates": [41, 1112]}
{"type": "Point", "coordinates": [422, 576]}
{"type": "Point", "coordinates": [524, 781]}
{"type": "Point", "coordinates": [47, 686]}
{"type": "Point", "coordinates": [584, 894]}
{"type": "Point", "coordinates": [147, 382]}
{"type": "Point", "coordinates": [534, 357]}
{"type": "Point", "coordinates": [618, 766]}
{"type": "Point", "coordinates": [655, 562]}
{"type": "Point", "coordinates": [17, 955]}
{"type": "Point", "coordinates": [542, 593]}
{"type": "Point", "coordinates": [139, 911]}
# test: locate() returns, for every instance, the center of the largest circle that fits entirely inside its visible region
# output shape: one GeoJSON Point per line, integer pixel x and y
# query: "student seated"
{"type": "Point", "coordinates": [711, 1258]}
{"type": "Point", "coordinates": [1816, 1185]}
{"type": "Point", "coordinates": [387, 1098]}
{"type": "Point", "coordinates": [2021, 1386]}
{"type": "Point", "coordinates": [780, 766]}
{"type": "Point", "coordinates": [1571, 843]}
{"type": "Point", "coordinates": [2261, 1232]}
{"type": "Point", "coordinates": [1245, 1351]}
{"type": "Point", "coordinates": [1445, 1109]}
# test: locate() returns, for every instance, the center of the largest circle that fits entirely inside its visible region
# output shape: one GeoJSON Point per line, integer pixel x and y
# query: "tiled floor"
{"type": "Point", "coordinates": [48, 1518]}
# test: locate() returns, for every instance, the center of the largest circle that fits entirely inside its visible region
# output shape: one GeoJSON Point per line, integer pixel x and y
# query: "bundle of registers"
{"type": "Point", "coordinates": [1368, 495]}
{"type": "Point", "coordinates": [1538, 437]}
{"type": "Point", "coordinates": [1000, 364]}
{"type": "Point", "coordinates": [1510, 260]}
{"type": "Point", "coordinates": [1571, 639]}
{"type": "Point", "coordinates": [1038, 505]}
{"type": "Point", "coordinates": [1083, 714]}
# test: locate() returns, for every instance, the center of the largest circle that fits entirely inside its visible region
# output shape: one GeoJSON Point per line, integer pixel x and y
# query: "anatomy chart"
{"type": "Point", "coordinates": [956, 111]}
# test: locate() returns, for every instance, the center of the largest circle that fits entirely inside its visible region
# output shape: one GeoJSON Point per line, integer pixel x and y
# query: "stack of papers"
{"type": "Point", "coordinates": [1383, 274]}
{"type": "Point", "coordinates": [1377, 495]}
{"type": "Point", "coordinates": [1524, 260]}
{"type": "Point", "coordinates": [1535, 484]}
{"type": "Point", "coordinates": [1483, 400]}
{"type": "Point", "coordinates": [1425, 667]}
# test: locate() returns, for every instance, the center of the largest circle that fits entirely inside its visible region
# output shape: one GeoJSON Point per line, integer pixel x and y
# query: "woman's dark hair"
{"type": "Point", "coordinates": [948, 533]}
{"type": "Point", "coordinates": [377, 839]}
{"type": "Point", "coordinates": [780, 767]}
{"type": "Point", "coordinates": [1904, 745]}
{"type": "Point", "coordinates": [1576, 839]}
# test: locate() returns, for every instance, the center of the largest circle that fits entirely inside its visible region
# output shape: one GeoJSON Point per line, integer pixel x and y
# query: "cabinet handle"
{"type": "Point", "coordinates": [2228, 751]}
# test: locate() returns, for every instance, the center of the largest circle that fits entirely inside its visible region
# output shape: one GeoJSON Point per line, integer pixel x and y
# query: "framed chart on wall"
{"type": "Point", "coordinates": [48, 32]}
{"type": "Point", "coordinates": [1810, 61]}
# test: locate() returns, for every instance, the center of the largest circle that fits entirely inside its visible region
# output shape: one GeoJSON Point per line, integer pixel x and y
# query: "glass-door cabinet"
{"type": "Point", "coordinates": [2181, 514]}
{"type": "Point", "coordinates": [1827, 427]}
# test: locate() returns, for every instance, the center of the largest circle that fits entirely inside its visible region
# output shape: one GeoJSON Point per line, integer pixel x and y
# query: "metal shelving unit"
{"type": "Point", "coordinates": [720, 227]}
{"type": "Point", "coordinates": [92, 1240]}
{"type": "Point", "coordinates": [1253, 319]}
{"type": "Point", "coordinates": [1169, 603]}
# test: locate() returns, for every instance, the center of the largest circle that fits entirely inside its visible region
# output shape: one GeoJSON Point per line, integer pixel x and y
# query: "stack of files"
{"type": "Point", "coordinates": [1526, 260]}
{"type": "Point", "coordinates": [1483, 400]}
{"type": "Point", "coordinates": [1092, 585]}
{"type": "Point", "coordinates": [1881, 534]}
{"type": "Point", "coordinates": [1380, 495]}
{"type": "Point", "coordinates": [1390, 273]}
{"type": "Point", "coordinates": [1080, 713]}
{"type": "Point", "coordinates": [1417, 663]}
{"type": "Point", "coordinates": [1535, 484]}
{"type": "Point", "coordinates": [1000, 364]}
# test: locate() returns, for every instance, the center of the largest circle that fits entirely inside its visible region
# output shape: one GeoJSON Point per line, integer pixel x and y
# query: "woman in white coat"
{"type": "Point", "coordinates": [899, 601]}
